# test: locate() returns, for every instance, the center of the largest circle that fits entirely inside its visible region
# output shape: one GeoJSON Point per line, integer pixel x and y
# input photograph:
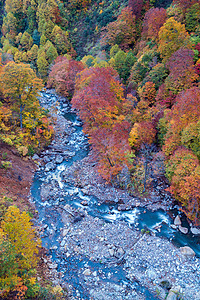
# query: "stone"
{"type": "Point", "coordinates": [53, 266]}
{"type": "Point", "coordinates": [177, 220]}
{"type": "Point", "coordinates": [187, 251]}
{"type": "Point", "coordinates": [183, 229]}
{"type": "Point", "coordinates": [87, 272]}
{"type": "Point", "coordinates": [46, 159]}
{"type": "Point", "coordinates": [65, 231]}
{"type": "Point", "coordinates": [35, 156]}
{"type": "Point", "coordinates": [50, 166]}
{"type": "Point", "coordinates": [111, 251]}
{"type": "Point", "coordinates": [173, 226]}
{"type": "Point", "coordinates": [59, 159]}
{"type": "Point", "coordinates": [151, 273]}
{"type": "Point", "coordinates": [119, 252]}
{"type": "Point", "coordinates": [173, 293]}
{"type": "Point", "coordinates": [195, 230]}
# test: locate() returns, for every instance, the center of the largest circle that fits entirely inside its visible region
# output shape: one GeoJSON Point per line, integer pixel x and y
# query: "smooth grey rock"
{"type": "Point", "coordinates": [183, 229]}
{"type": "Point", "coordinates": [195, 230]}
{"type": "Point", "coordinates": [187, 251]}
{"type": "Point", "coordinates": [177, 220]}
{"type": "Point", "coordinates": [87, 272]}
{"type": "Point", "coordinates": [173, 226]}
{"type": "Point", "coordinates": [59, 159]}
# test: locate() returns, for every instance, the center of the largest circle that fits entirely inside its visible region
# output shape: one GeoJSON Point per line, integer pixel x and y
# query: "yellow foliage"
{"type": "Point", "coordinates": [19, 231]}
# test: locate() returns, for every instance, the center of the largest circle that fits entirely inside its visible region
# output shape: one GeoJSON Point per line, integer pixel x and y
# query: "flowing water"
{"type": "Point", "coordinates": [50, 216]}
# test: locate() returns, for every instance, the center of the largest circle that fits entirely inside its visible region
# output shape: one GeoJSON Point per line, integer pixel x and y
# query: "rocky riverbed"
{"type": "Point", "coordinates": [93, 230]}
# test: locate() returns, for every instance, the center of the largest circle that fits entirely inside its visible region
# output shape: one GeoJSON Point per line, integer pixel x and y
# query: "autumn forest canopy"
{"type": "Point", "coordinates": [131, 69]}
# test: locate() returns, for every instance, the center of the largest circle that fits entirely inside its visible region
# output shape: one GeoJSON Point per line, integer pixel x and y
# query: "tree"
{"type": "Point", "coordinates": [63, 75]}
{"type": "Point", "coordinates": [148, 93]}
{"type": "Point", "coordinates": [18, 253]}
{"type": "Point", "coordinates": [184, 112]}
{"type": "Point", "coordinates": [182, 74]}
{"type": "Point", "coordinates": [121, 32]}
{"type": "Point", "coordinates": [99, 97]}
{"type": "Point", "coordinates": [183, 171]}
{"type": "Point", "coordinates": [185, 4]}
{"type": "Point", "coordinates": [141, 138]}
{"type": "Point", "coordinates": [136, 6]}
{"type": "Point", "coordinates": [21, 86]}
{"type": "Point", "coordinates": [19, 231]}
{"type": "Point", "coordinates": [153, 21]}
{"type": "Point", "coordinates": [42, 65]}
{"type": "Point", "coordinates": [172, 36]}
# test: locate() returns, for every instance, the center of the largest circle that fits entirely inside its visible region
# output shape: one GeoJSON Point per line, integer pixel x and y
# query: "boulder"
{"type": "Point", "coordinates": [35, 156]}
{"type": "Point", "coordinates": [59, 159]}
{"type": "Point", "coordinates": [173, 226]}
{"type": "Point", "coordinates": [87, 272]}
{"type": "Point", "coordinates": [195, 230]}
{"type": "Point", "coordinates": [173, 293]}
{"type": "Point", "coordinates": [50, 166]}
{"type": "Point", "coordinates": [183, 229]}
{"type": "Point", "coordinates": [177, 220]}
{"type": "Point", "coordinates": [187, 251]}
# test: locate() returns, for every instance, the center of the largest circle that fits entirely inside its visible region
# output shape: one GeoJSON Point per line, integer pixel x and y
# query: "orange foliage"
{"type": "Point", "coordinates": [185, 111]}
{"type": "Point", "coordinates": [121, 32]}
{"type": "Point", "coordinates": [183, 171]}
{"type": "Point", "coordinates": [142, 133]}
{"type": "Point", "coordinates": [102, 106]}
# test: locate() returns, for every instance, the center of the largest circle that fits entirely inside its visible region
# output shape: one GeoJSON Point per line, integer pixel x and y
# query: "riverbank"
{"type": "Point", "coordinates": [97, 259]}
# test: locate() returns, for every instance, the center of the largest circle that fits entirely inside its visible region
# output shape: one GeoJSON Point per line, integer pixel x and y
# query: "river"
{"type": "Point", "coordinates": [50, 216]}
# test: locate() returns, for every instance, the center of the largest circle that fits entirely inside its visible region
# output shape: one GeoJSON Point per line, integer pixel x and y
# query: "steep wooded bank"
{"type": "Point", "coordinates": [131, 69]}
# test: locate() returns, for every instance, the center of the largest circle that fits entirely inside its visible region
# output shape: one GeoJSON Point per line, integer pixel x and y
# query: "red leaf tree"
{"type": "Point", "coordinates": [102, 106]}
{"type": "Point", "coordinates": [63, 75]}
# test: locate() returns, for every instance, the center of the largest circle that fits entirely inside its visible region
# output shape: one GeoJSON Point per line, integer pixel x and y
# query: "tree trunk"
{"type": "Point", "coordinates": [21, 109]}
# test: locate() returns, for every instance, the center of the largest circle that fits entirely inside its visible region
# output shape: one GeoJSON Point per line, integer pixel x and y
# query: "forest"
{"type": "Point", "coordinates": [131, 69]}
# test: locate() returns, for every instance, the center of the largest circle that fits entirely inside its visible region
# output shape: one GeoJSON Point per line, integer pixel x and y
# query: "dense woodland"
{"type": "Point", "coordinates": [131, 69]}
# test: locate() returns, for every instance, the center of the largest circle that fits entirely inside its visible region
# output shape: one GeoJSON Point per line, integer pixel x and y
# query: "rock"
{"type": "Point", "coordinates": [173, 226]}
{"type": "Point", "coordinates": [84, 203]}
{"type": "Point", "coordinates": [111, 251]}
{"type": "Point", "coordinates": [173, 293]}
{"type": "Point", "coordinates": [195, 230]}
{"type": "Point", "coordinates": [177, 220]}
{"type": "Point", "coordinates": [53, 266]}
{"type": "Point", "coordinates": [35, 156]}
{"type": "Point", "coordinates": [151, 273]}
{"type": "Point", "coordinates": [87, 272]}
{"type": "Point", "coordinates": [50, 166]}
{"type": "Point", "coordinates": [119, 252]}
{"type": "Point", "coordinates": [84, 191]}
{"type": "Point", "coordinates": [46, 159]}
{"type": "Point", "coordinates": [183, 229]}
{"type": "Point", "coordinates": [59, 159]}
{"type": "Point", "coordinates": [65, 231]}
{"type": "Point", "coordinates": [76, 191]}
{"type": "Point", "coordinates": [165, 284]}
{"type": "Point", "coordinates": [187, 251]}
